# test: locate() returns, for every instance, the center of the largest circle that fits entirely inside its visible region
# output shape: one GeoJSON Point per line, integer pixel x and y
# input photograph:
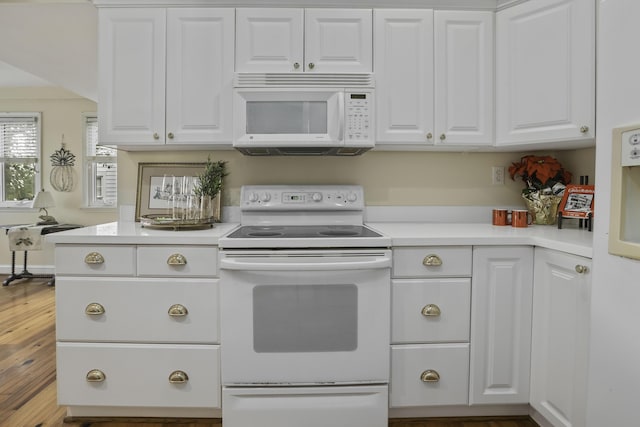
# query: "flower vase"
{"type": "Point", "coordinates": [543, 207]}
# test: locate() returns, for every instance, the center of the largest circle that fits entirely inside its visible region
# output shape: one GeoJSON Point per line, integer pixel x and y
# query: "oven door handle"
{"type": "Point", "coordinates": [373, 264]}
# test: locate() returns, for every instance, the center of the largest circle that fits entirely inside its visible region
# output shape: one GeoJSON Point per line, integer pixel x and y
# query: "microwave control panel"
{"type": "Point", "coordinates": [359, 113]}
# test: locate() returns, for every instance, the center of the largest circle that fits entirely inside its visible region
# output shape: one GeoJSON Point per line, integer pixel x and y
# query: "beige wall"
{"type": "Point", "coordinates": [389, 178]}
{"type": "Point", "coordinates": [61, 114]}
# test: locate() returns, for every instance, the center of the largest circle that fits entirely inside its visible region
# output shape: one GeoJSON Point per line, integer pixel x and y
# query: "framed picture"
{"type": "Point", "coordinates": [159, 182]}
{"type": "Point", "coordinates": [577, 201]}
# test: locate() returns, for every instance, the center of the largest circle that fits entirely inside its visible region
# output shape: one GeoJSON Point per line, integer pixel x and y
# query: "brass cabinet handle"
{"type": "Point", "coordinates": [430, 310]}
{"type": "Point", "coordinates": [432, 261]}
{"type": "Point", "coordinates": [94, 258]}
{"type": "Point", "coordinates": [312, 65]}
{"type": "Point", "coordinates": [177, 259]}
{"type": "Point", "coordinates": [178, 377]}
{"type": "Point", "coordinates": [94, 309]}
{"type": "Point", "coordinates": [430, 376]}
{"type": "Point", "coordinates": [170, 135]}
{"type": "Point", "coordinates": [582, 269]}
{"type": "Point", "coordinates": [443, 137]}
{"type": "Point", "coordinates": [584, 129]}
{"type": "Point", "coordinates": [296, 65]}
{"type": "Point", "coordinates": [429, 135]}
{"type": "Point", "coordinates": [178, 310]}
{"type": "Point", "coordinates": [156, 136]}
{"type": "Point", "coordinates": [96, 376]}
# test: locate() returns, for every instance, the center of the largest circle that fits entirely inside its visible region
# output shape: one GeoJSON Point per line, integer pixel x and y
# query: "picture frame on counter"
{"type": "Point", "coordinates": [158, 182]}
{"type": "Point", "coordinates": [577, 201]}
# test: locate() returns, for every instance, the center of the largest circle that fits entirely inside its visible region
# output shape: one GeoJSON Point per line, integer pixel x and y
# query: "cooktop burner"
{"type": "Point", "coordinates": [302, 231]}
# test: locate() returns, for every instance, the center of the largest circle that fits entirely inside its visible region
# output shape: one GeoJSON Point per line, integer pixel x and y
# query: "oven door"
{"type": "Point", "coordinates": [305, 317]}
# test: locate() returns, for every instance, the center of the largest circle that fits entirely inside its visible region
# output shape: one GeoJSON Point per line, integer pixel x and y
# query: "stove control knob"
{"type": "Point", "coordinates": [253, 197]}
{"type": "Point", "coordinates": [265, 197]}
{"type": "Point", "coordinates": [352, 197]}
{"type": "Point", "coordinates": [316, 197]}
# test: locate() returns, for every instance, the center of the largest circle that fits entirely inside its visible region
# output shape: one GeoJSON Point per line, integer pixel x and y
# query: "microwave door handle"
{"type": "Point", "coordinates": [340, 116]}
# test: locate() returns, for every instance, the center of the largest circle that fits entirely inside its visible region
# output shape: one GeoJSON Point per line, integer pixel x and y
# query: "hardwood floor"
{"type": "Point", "coordinates": [27, 371]}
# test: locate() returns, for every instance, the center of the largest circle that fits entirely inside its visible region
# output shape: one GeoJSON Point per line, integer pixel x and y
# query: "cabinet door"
{"type": "Point", "coordinates": [501, 324]}
{"type": "Point", "coordinates": [561, 300]}
{"type": "Point", "coordinates": [199, 75]}
{"type": "Point", "coordinates": [545, 72]}
{"type": "Point", "coordinates": [463, 77]}
{"type": "Point", "coordinates": [338, 40]}
{"type": "Point", "coordinates": [131, 84]}
{"type": "Point", "coordinates": [403, 64]}
{"type": "Point", "coordinates": [269, 40]}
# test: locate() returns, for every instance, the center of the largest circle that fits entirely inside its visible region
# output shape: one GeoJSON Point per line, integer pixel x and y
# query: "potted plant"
{"type": "Point", "coordinates": [546, 180]}
{"type": "Point", "coordinates": [208, 188]}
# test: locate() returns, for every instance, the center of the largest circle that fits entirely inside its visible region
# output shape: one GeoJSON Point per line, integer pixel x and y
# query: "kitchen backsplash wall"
{"type": "Point", "coordinates": [389, 178]}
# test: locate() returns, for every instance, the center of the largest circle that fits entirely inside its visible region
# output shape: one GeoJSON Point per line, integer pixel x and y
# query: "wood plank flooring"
{"type": "Point", "coordinates": [27, 371]}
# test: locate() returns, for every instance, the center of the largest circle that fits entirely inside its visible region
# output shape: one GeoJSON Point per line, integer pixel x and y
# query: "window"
{"type": "Point", "coordinates": [101, 168]}
{"type": "Point", "coordinates": [19, 157]}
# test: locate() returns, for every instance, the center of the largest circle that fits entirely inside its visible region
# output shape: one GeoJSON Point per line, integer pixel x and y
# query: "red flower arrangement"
{"type": "Point", "coordinates": [541, 173]}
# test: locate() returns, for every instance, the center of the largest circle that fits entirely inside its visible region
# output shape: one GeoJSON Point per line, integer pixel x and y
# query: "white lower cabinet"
{"type": "Point", "coordinates": [430, 326]}
{"type": "Point", "coordinates": [125, 341]}
{"type": "Point", "coordinates": [429, 375]}
{"type": "Point", "coordinates": [101, 374]}
{"type": "Point", "coordinates": [501, 324]}
{"type": "Point", "coordinates": [560, 343]}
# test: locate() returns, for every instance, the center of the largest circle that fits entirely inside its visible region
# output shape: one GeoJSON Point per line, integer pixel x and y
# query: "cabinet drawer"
{"type": "Point", "coordinates": [92, 260]}
{"type": "Point", "coordinates": [432, 261]}
{"type": "Point", "coordinates": [177, 261]}
{"type": "Point", "coordinates": [138, 375]}
{"type": "Point", "coordinates": [409, 363]}
{"type": "Point", "coordinates": [430, 310]}
{"type": "Point", "coordinates": [137, 310]}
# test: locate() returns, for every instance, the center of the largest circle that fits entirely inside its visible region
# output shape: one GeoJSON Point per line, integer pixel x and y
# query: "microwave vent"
{"type": "Point", "coordinates": [304, 80]}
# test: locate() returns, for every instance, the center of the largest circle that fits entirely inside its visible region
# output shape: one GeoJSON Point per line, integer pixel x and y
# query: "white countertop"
{"type": "Point", "coordinates": [133, 233]}
{"type": "Point", "coordinates": [572, 240]}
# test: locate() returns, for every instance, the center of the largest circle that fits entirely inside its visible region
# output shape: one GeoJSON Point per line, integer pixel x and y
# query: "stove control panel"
{"type": "Point", "coordinates": [300, 198]}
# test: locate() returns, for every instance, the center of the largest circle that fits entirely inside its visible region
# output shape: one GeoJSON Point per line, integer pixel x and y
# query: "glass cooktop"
{"type": "Point", "coordinates": [302, 231]}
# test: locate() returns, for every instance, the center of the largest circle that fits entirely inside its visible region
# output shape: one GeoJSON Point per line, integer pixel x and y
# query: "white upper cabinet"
{"type": "Point", "coordinates": [309, 40]}
{"type": "Point", "coordinates": [165, 76]}
{"type": "Point", "coordinates": [403, 66]}
{"type": "Point", "coordinates": [545, 72]}
{"type": "Point", "coordinates": [464, 77]}
{"type": "Point", "coordinates": [199, 75]}
{"type": "Point", "coordinates": [131, 67]}
{"type": "Point", "coordinates": [434, 77]}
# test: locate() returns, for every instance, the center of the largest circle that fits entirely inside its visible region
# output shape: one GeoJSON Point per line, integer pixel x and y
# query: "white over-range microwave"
{"type": "Point", "coordinates": [298, 114]}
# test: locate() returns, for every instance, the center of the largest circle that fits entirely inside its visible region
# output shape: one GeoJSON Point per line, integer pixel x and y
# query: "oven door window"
{"type": "Point", "coordinates": [301, 319]}
{"type": "Point", "coordinates": [287, 117]}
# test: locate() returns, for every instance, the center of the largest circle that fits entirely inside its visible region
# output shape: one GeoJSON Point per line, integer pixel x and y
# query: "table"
{"type": "Point", "coordinates": [25, 274]}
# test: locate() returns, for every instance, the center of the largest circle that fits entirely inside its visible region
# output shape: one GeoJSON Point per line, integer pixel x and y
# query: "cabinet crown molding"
{"type": "Point", "coordinates": [491, 5]}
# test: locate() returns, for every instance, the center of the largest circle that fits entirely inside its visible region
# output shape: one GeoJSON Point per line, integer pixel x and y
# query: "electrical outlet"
{"type": "Point", "coordinates": [497, 175]}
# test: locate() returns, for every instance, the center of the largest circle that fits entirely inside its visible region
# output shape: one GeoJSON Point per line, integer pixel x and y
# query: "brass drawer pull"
{"type": "Point", "coordinates": [94, 309]}
{"type": "Point", "coordinates": [96, 376]}
{"type": "Point", "coordinates": [430, 376]}
{"type": "Point", "coordinates": [432, 261]}
{"type": "Point", "coordinates": [177, 259]}
{"type": "Point", "coordinates": [430, 310]}
{"type": "Point", "coordinates": [178, 377]}
{"type": "Point", "coordinates": [178, 310]}
{"type": "Point", "coordinates": [94, 258]}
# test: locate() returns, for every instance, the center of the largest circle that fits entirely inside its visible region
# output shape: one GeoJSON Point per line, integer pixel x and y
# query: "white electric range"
{"type": "Point", "coordinates": [305, 311]}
